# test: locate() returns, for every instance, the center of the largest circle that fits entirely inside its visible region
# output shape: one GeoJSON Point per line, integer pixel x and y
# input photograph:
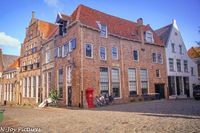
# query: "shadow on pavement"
{"type": "Point", "coordinates": [187, 107]}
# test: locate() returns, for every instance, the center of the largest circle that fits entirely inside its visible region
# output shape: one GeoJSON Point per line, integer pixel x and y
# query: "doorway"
{"type": "Point", "coordinates": [160, 88]}
{"type": "Point", "coordinates": [69, 96]}
{"type": "Point", "coordinates": [186, 86]}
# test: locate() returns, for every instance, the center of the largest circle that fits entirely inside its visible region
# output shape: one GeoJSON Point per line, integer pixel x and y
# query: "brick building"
{"type": "Point", "coordinates": [9, 65]}
{"type": "Point", "coordinates": [111, 55]}
{"type": "Point", "coordinates": [37, 33]}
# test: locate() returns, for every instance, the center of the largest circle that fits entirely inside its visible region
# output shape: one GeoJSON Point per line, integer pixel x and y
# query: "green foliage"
{"type": "Point", "coordinates": [54, 95]}
{"type": "Point", "coordinates": [1, 116]}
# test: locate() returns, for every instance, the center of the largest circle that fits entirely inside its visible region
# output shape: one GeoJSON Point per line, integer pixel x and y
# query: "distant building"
{"type": "Point", "coordinates": [181, 70]}
{"type": "Point", "coordinates": [194, 53]}
{"type": "Point", "coordinates": [9, 79]}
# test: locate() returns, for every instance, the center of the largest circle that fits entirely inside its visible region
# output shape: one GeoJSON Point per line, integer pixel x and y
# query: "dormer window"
{"type": "Point", "coordinates": [103, 29]}
{"type": "Point", "coordinates": [149, 37]}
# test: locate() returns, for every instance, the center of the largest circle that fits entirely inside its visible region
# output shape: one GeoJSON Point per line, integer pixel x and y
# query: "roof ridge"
{"type": "Point", "coordinates": [83, 6]}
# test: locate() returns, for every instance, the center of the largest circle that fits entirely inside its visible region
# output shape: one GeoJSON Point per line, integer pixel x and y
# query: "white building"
{"type": "Point", "coordinates": [181, 70]}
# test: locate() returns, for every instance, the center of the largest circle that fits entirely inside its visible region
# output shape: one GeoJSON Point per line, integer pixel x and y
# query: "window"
{"type": "Point", "coordinates": [178, 62]}
{"type": "Point", "coordinates": [70, 46]}
{"type": "Point", "coordinates": [154, 57]}
{"type": "Point", "coordinates": [102, 52]}
{"type": "Point", "coordinates": [132, 81]}
{"type": "Point", "coordinates": [55, 52]}
{"type": "Point", "coordinates": [135, 55]}
{"type": "Point", "coordinates": [66, 49]}
{"type": "Point", "coordinates": [60, 51]}
{"type": "Point", "coordinates": [60, 82]}
{"type": "Point", "coordinates": [29, 86]}
{"type": "Point", "coordinates": [88, 50]}
{"type": "Point", "coordinates": [73, 42]}
{"type": "Point", "coordinates": [158, 73]}
{"type": "Point", "coordinates": [47, 56]}
{"type": "Point", "coordinates": [49, 82]}
{"type": "Point", "coordinates": [103, 32]}
{"type": "Point", "coordinates": [144, 81]}
{"type": "Point", "coordinates": [180, 49]}
{"type": "Point", "coordinates": [114, 53]}
{"type": "Point", "coordinates": [160, 60]}
{"type": "Point", "coordinates": [185, 66]}
{"type": "Point", "coordinates": [115, 82]}
{"type": "Point", "coordinates": [192, 71]}
{"type": "Point", "coordinates": [34, 87]}
{"type": "Point", "coordinates": [25, 87]}
{"type": "Point", "coordinates": [173, 47]}
{"type": "Point", "coordinates": [69, 75]}
{"type": "Point", "coordinates": [104, 81]}
{"type": "Point", "coordinates": [149, 37]}
{"type": "Point", "coordinates": [171, 64]}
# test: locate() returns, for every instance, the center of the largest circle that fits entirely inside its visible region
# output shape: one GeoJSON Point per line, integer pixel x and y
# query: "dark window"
{"type": "Point", "coordinates": [60, 51]}
{"type": "Point", "coordinates": [154, 57]}
{"type": "Point", "coordinates": [185, 66]}
{"type": "Point", "coordinates": [135, 55]}
{"type": "Point", "coordinates": [60, 82]}
{"type": "Point", "coordinates": [159, 56]}
{"type": "Point", "coordinates": [178, 62]}
{"type": "Point", "coordinates": [171, 64]}
{"type": "Point", "coordinates": [88, 50]}
{"type": "Point", "coordinates": [55, 52]}
{"type": "Point", "coordinates": [173, 47]}
{"type": "Point", "coordinates": [192, 71]}
{"type": "Point", "coordinates": [158, 73]}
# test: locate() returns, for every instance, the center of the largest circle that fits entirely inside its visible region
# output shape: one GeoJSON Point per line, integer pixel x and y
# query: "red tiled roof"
{"type": "Point", "coordinates": [46, 28]}
{"type": "Point", "coordinates": [116, 25]}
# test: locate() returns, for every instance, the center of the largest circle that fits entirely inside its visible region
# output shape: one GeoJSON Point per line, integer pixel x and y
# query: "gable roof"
{"type": "Point", "coordinates": [164, 33]}
{"type": "Point", "coordinates": [8, 60]}
{"type": "Point", "coordinates": [116, 25]}
{"type": "Point", "coordinates": [194, 52]}
{"type": "Point", "coordinates": [13, 66]}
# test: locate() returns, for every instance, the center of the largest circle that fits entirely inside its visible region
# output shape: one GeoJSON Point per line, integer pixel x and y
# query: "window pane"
{"type": "Point", "coordinates": [102, 53]}
{"type": "Point", "coordinates": [131, 74]}
{"type": "Point", "coordinates": [88, 50]}
{"type": "Point", "coordinates": [135, 55]}
{"type": "Point", "coordinates": [114, 53]}
{"type": "Point", "coordinates": [154, 57]}
{"type": "Point", "coordinates": [104, 82]}
{"type": "Point", "coordinates": [143, 74]}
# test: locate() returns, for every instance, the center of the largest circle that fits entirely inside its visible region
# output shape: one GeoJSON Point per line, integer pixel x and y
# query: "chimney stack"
{"type": "Point", "coordinates": [33, 14]}
{"type": "Point", "coordinates": [140, 21]}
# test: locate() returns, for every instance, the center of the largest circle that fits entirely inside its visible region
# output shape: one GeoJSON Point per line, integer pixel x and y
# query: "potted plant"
{"type": "Point", "coordinates": [54, 95]}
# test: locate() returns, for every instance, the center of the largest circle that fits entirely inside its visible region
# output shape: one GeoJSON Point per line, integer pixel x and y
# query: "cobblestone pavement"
{"type": "Point", "coordinates": [181, 116]}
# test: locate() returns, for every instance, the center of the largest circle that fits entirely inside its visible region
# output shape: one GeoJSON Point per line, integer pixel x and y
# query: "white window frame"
{"type": "Point", "coordinates": [147, 79]}
{"type": "Point", "coordinates": [100, 53]}
{"type": "Point", "coordinates": [109, 91]}
{"type": "Point", "coordinates": [91, 50]}
{"type": "Point", "coordinates": [106, 28]}
{"type": "Point", "coordinates": [149, 35]}
{"type": "Point", "coordinates": [120, 85]}
{"type": "Point", "coordinates": [172, 64]}
{"type": "Point", "coordinates": [155, 56]}
{"type": "Point", "coordinates": [135, 80]}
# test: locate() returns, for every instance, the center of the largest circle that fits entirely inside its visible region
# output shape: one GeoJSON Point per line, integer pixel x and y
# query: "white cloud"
{"type": "Point", "coordinates": [6, 40]}
{"type": "Point", "coordinates": [53, 3]}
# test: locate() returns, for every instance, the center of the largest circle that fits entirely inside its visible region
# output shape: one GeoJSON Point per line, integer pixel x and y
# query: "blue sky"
{"type": "Point", "coordinates": [16, 14]}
